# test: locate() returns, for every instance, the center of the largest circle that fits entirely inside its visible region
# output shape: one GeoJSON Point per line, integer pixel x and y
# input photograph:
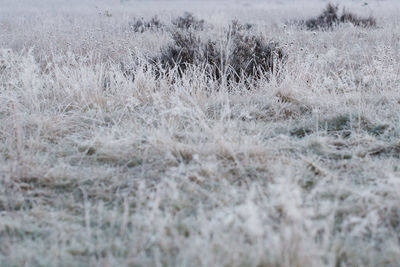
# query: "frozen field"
{"type": "Point", "coordinates": [105, 161]}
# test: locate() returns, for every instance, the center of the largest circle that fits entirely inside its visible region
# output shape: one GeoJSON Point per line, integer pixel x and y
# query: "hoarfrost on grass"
{"type": "Point", "coordinates": [104, 162]}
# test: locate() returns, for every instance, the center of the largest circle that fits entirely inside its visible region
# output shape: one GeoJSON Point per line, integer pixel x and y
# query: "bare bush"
{"type": "Point", "coordinates": [330, 18]}
{"type": "Point", "coordinates": [252, 55]}
{"type": "Point", "coordinates": [185, 50]}
{"type": "Point", "coordinates": [243, 55]}
{"type": "Point", "coordinates": [188, 21]}
{"type": "Point", "coordinates": [141, 25]}
{"type": "Point", "coordinates": [348, 17]}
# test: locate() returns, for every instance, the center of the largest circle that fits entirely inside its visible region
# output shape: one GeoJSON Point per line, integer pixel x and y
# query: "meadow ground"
{"type": "Point", "coordinates": [106, 162]}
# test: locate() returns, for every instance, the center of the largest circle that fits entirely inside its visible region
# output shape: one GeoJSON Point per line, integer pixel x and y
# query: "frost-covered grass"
{"type": "Point", "coordinates": [101, 168]}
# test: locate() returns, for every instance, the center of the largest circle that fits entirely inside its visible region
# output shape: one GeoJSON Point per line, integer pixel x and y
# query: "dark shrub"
{"type": "Point", "coordinates": [253, 56]}
{"type": "Point", "coordinates": [188, 21]}
{"type": "Point", "coordinates": [243, 55]}
{"type": "Point", "coordinates": [184, 51]}
{"type": "Point", "coordinates": [250, 56]}
{"type": "Point", "coordinates": [214, 59]}
{"type": "Point", "coordinates": [331, 18]}
{"type": "Point", "coordinates": [141, 25]}
{"type": "Point", "coordinates": [328, 19]}
{"type": "Point", "coordinates": [348, 17]}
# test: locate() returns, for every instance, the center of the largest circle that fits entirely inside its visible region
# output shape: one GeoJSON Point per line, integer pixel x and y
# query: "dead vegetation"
{"type": "Point", "coordinates": [348, 17]}
{"type": "Point", "coordinates": [141, 25]}
{"type": "Point", "coordinates": [188, 21]}
{"type": "Point", "coordinates": [330, 18]}
{"type": "Point", "coordinates": [241, 56]}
